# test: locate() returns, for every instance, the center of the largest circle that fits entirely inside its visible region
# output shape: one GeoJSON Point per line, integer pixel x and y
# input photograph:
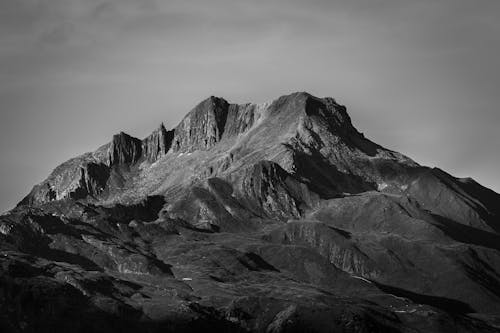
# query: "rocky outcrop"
{"type": "Point", "coordinates": [39, 194]}
{"type": "Point", "coordinates": [77, 181]}
{"type": "Point", "coordinates": [263, 190]}
{"type": "Point", "coordinates": [93, 180]}
{"type": "Point", "coordinates": [269, 190]}
{"type": "Point", "coordinates": [334, 157]}
{"type": "Point", "coordinates": [124, 149]}
{"type": "Point", "coordinates": [203, 127]}
{"type": "Point", "coordinates": [209, 208]}
{"type": "Point", "coordinates": [240, 118]}
{"type": "Point", "coordinates": [157, 143]}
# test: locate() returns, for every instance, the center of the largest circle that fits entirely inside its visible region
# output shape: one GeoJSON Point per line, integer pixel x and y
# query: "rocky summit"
{"type": "Point", "coordinates": [275, 217]}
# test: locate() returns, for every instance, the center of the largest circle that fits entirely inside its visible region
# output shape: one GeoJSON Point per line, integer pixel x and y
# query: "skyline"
{"type": "Point", "coordinates": [418, 78]}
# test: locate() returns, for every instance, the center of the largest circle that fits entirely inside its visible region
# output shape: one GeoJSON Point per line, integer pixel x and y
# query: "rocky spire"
{"type": "Point", "coordinates": [203, 127]}
{"type": "Point", "coordinates": [124, 149]}
{"type": "Point", "coordinates": [157, 143]}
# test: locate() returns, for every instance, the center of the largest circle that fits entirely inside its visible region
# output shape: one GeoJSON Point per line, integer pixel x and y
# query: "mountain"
{"type": "Point", "coordinates": [275, 217]}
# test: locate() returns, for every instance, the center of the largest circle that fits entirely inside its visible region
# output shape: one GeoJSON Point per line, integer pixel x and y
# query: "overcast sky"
{"type": "Point", "coordinates": [420, 77]}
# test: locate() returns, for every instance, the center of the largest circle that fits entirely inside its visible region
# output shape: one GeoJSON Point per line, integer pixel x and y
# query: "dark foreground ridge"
{"type": "Point", "coordinates": [275, 217]}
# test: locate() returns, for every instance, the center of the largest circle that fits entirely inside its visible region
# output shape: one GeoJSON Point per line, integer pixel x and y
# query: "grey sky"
{"type": "Point", "coordinates": [420, 77]}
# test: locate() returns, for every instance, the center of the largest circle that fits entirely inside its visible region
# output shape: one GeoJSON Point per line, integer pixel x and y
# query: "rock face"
{"type": "Point", "coordinates": [124, 149]}
{"type": "Point", "coordinates": [157, 144]}
{"type": "Point", "coordinates": [274, 217]}
{"type": "Point", "coordinates": [273, 192]}
{"type": "Point", "coordinates": [92, 182]}
{"type": "Point", "coordinates": [203, 127]}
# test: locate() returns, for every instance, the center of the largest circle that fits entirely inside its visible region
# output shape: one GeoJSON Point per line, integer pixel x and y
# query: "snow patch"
{"type": "Point", "coordinates": [381, 186]}
{"type": "Point", "coordinates": [362, 278]}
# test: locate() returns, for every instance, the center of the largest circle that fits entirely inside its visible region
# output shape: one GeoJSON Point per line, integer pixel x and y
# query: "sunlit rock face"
{"type": "Point", "coordinates": [203, 127]}
{"type": "Point", "coordinates": [157, 144]}
{"type": "Point", "coordinates": [273, 217]}
{"type": "Point", "coordinates": [124, 149]}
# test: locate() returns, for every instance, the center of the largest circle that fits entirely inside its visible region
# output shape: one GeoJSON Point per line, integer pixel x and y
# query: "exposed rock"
{"type": "Point", "coordinates": [203, 127]}
{"type": "Point", "coordinates": [76, 182]}
{"type": "Point", "coordinates": [157, 143]}
{"type": "Point", "coordinates": [124, 149]}
{"type": "Point", "coordinates": [265, 187]}
{"type": "Point", "coordinates": [92, 182]}
{"type": "Point", "coordinates": [240, 118]}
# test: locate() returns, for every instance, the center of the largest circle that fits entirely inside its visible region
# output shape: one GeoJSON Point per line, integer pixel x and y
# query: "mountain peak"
{"type": "Point", "coordinates": [216, 99]}
{"type": "Point", "coordinates": [292, 131]}
{"type": "Point", "coordinates": [203, 126]}
{"type": "Point", "coordinates": [124, 149]}
{"type": "Point", "coordinates": [157, 143]}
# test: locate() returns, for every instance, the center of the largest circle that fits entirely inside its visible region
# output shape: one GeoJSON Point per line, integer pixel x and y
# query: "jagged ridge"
{"type": "Point", "coordinates": [291, 131]}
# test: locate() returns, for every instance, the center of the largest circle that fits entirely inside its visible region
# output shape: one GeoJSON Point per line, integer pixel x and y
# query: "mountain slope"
{"type": "Point", "coordinates": [273, 217]}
